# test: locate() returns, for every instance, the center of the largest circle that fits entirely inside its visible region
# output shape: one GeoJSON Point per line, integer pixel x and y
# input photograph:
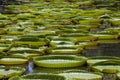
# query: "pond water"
{"type": "Point", "coordinates": [112, 49]}
{"type": "Point", "coordinates": [102, 50]}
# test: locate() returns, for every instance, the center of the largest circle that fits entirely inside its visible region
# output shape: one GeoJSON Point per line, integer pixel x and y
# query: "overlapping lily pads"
{"type": "Point", "coordinates": [40, 27]}
{"type": "Point", "coordinates": [26, 52]}
{"type": "Point", "coordinates": [10, 72]}
{"type": "Point", "coordinates": [94, 60]}
{"type": "Point", "coordinates": [111, 66]}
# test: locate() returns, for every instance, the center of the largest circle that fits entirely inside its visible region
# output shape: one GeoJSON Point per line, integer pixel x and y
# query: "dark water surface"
{"type": "Point", "coordinates": [112, 49]}
{"type": "Point", "coordinates": [103, 50]}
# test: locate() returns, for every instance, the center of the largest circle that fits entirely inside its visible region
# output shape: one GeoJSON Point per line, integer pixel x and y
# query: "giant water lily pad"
{"type": "Point", "coordinates": [39, 77]}
{"type": "Point", "coordinates": [81, 75]}
{"type": "Point", "coordinates": [15, 33]}
{"type": "Point", "coordinates": [59, 40]}
{"type": "Point", "coordinates": [59, 61]}
{"type": "Point", "coordinates": [94, 60]}
{"type": "Point", "coordinates": [6, 60]}
{"type": "Point", "coordinates": [108, 41]}
{"type": "Point", "coordinates": [25, 16]}
{"type": "Point", "coordinates": [105, 36]}
{"type": "Point", "coordinates": [69, 45]}
{"type": "Point", "coordinates": [65, 50]}
{"type": "Point", "coordinates": [111, 66]}
{"type": "Point", "coordinates": [80, 36]}
{"type": "Point", "coordinates": [10, 72]}
{"type": "Point", "coordinates": [115, 22]}
{"type": "Point", "coordinates": [5, 47]}
{"type": "Point", "coordinates": [118, 75]}
{"type": "Point", "coordinates": [2, 31]}
{"type": "Point", "coordinates": [74, 27]}
{"type": "Point", "coordinates": [71, 31]}
{"type": "Point", "coordinates": [42, 33]}
{"type": "Point", "coordinates": [88, 44]}
{"type": "Point", "coordinates": [30, 40]}
{"type": "Point", "coordinates": [7, 38]}
{"type": "Point", "coordinates": [27, 52]}
{"type": "Point", "coordinates": [113, 30]}
{"type": "Point", "coordinates": [3, 17]}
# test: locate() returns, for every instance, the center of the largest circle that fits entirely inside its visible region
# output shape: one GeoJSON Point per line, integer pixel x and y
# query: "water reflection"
{"type": "Point", "coordinates": [104, 50]}
{"type": "Point", "coordinates": [29, 68]}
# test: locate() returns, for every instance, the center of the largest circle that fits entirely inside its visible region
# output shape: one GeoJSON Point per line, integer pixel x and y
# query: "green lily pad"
{"type": "Point", "coordinates": [13, 60]}
{"type": "Point", "coordinates": [39, 77]}
{"type": "Point", "coordinates": [59, 61]}
{"type": "Point", "coordinates": [65, 50]}
{"type": "Point", "coordinates": [81, 75]}
{"type": "Point", "coordinates": [5, 47]}
{"type": "Point", "coordinates": [79, 36]}
{"type": "Point", "coordinates": [94, 60]}
{"type": "Point", "coordinates": [26, 52]}
{"type": "Point", "coordinates": [58, 40]}
{"type": "Point", "coordinates": [111, 66]}
{"type": "Point", "coordinates": [118, 75]}
{"type": "Point", "coordinates": [105, 36]}
{"type": "Point", "coordinates": [10, 72]}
